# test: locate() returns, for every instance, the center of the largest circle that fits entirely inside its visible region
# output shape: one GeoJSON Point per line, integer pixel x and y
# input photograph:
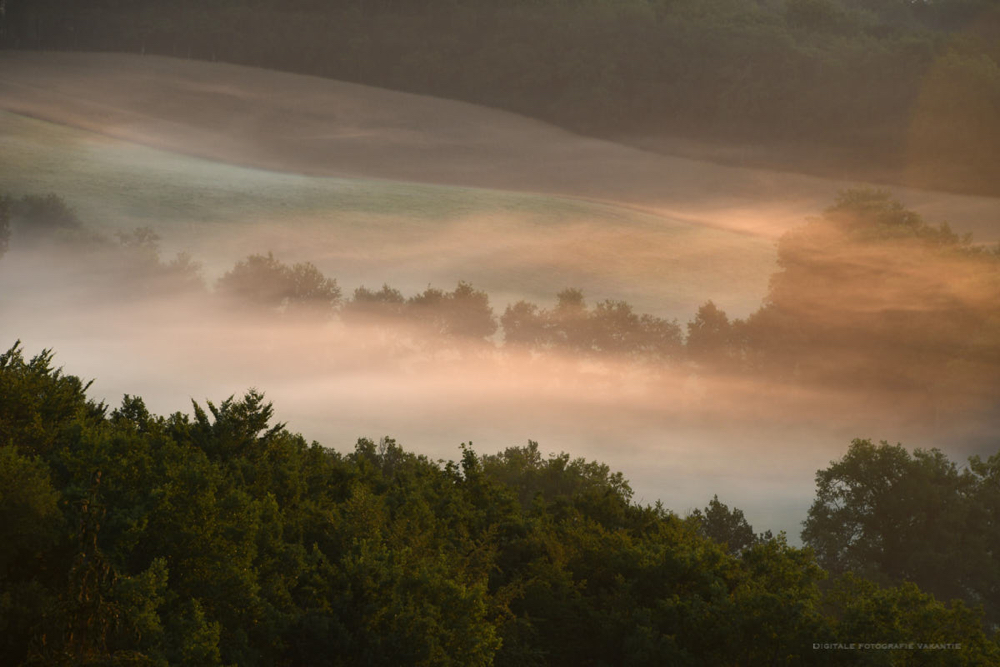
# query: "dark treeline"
{"type": "Point", "coordinates": [221, 538]}
{"type": "Point", "coordinates": [909, 88]}
{"type": "Point", "coordinates": [890, 516]}
{"type": "Point", "coordinates": [868, 298]}
{"type": "Point", "coordinates": [131, 260]}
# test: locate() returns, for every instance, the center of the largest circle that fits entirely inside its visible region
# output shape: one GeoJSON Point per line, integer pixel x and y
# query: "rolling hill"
{"type": "Point", "coordinates": [375, 185]}
{"type": "Point", "coordinates": [308, 125]}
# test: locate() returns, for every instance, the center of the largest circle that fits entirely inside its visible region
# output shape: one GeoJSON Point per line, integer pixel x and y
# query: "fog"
{"type": "Point", "coordinates": [378, 187]}
{"type": "Point", "coordinates": [680, 432]}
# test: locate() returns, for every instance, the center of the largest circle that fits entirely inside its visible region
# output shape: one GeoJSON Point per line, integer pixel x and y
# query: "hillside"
{"type": "Point", "coordinates": [904, 92]}
{"type": "Point", "coordinates": [314, 126]}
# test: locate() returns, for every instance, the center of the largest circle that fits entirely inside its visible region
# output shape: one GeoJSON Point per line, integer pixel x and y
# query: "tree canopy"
{"type": "Point", "coordinates": [871, 296]}
{"type": "Point", "coordinates": [221, 538]}
{"type": "Point", "coordinates": [263, 282]}
{"type": "Point", "coordinates": [892, 517]}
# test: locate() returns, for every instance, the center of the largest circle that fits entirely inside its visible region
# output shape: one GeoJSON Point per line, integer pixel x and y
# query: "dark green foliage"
{"type": "Point", "coordinates": [222, 539]}
{"type": "Point", "coordinates": [39, 405]}
{"type": "Point", "coordinates": [893, 517]}
{"type": "Point", "coordinates": [28, 505]}
{"type": "Point", "coordinates": [906, 615]}
{"type": "Point", "coordinates": [726, 527]}
{"type": "Point", "coordinates": [31, 525]}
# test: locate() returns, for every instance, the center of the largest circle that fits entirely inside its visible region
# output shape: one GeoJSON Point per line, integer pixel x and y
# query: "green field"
{"type": "Point", "coordinates": [370, 231]}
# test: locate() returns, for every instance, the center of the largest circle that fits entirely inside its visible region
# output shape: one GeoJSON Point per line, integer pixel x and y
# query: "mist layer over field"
{"type": "Point", "coordinates": [372, 231]}
{"type": "Point", "coordinates": [375, 187]}
{"type": "Point", "coordinates": [677, 438]}
{"type": "Point", "coordinates": [680, 431]}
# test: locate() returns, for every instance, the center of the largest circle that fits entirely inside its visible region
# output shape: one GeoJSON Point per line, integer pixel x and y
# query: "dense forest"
{"type": "Point", "coordinates": [884, 89]}
{"type": "Point", "coordinates": [221, 538]}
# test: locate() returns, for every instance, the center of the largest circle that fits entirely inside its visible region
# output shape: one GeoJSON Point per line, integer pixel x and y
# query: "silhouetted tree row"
{"type": "Point", "coordinates": [221, 538]}
{"type": "Point", "coordinates": [131, 262]}
{"type": "Point", "coordinates": [910, 87]}
{"type": "Point", "coordinates": [463, 313]}
{"type": "Point", "coordinates": [868, 297]}
{"type": "Point", "coordinates": [611, 327]}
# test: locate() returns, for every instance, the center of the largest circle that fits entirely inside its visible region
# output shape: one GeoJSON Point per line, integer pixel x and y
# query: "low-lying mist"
{"type": "Point", "coordinates": [746, 408]}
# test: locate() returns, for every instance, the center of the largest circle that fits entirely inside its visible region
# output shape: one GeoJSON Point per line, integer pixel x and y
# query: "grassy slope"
{"type": "Point", "coordinates": [305, 124]}
{"type": "Point", "coordinates": [402, 188]}
{"type": "Point", "coordinates": [363, 230]}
